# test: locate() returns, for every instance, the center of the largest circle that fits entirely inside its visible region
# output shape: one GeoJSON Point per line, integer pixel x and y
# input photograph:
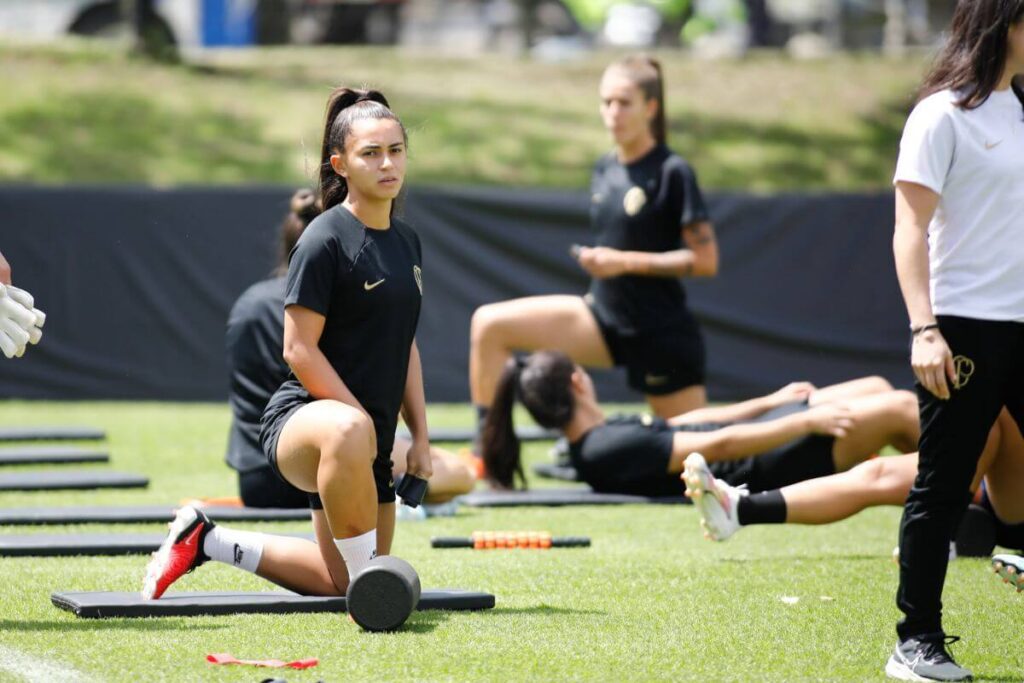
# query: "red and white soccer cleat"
{"type": "Point", "coordinates": [180, 553]}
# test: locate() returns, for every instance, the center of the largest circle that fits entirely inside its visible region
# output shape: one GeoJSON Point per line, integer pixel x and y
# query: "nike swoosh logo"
{"type": "Point", "coordinates": [992, 145]}
{"type": "Point", "coordinates": [367, 286]}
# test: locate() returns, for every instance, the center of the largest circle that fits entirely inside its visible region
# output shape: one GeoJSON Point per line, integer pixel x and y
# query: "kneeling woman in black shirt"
{"type": "Point", "coordinates": [794, 434]}
{"type": "Point", "coordinates": [352, 303]}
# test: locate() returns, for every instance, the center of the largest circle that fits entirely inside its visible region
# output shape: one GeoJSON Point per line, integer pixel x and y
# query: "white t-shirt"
{"type": "Point", "coordinates": [974, 159]}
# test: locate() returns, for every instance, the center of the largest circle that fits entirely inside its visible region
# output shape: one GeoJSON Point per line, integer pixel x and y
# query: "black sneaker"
{"type": "Point", "coordinates": [925, 658]}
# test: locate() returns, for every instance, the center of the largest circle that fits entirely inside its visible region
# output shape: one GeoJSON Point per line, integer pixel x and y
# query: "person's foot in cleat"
{"type": "Point", "coordinates": [1011, 569]}
{"type": "Point", "coordinates": [180, 553]}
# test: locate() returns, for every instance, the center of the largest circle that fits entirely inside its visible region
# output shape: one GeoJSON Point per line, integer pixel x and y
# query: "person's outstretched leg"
{"type": "Point", "coordinates": [294, 563]}
{"type": "Point", "coordinates": [724, 508]}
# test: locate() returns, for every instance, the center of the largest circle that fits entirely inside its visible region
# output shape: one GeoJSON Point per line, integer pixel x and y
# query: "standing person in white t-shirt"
{"type": "Point", "coordinates": [959, 247]}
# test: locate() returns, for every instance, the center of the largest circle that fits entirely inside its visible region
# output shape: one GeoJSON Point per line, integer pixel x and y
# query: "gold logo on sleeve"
{"type": "Point", "coordinates": [634, 201]}
{"type": "Point", "coordinates": [964, 368]}
{"type": "Point", "coordinates": [418, 274]}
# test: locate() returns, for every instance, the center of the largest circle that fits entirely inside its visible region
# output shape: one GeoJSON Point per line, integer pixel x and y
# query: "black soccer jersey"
{"type": "Point", "coordinates": [643, 206]}
{"type": "Point", "coordinates": [368, 285]}
{"type": "Point", "coordinates": [254, 341]}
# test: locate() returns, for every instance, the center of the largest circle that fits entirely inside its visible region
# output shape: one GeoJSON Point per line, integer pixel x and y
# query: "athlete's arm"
{"type": "Point", "coordinates": [930, 355]}
{"type": "Point", "coordinates": [414, 412]}
{"type": "Point", "coordinates": [746, 410]}
{"type": "Point", "coordinates": [740, 441]}
{"type": "Point", "coordinates": [302, 330]}
{"type": "Point", "coordinates": [698, 259]}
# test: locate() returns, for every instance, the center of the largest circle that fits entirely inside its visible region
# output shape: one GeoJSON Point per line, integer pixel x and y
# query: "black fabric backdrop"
{"type": "Point", "coordinates": [137, 283]}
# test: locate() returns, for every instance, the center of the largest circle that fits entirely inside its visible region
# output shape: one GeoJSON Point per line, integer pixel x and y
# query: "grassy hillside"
{"type": "Point", "coordinates": [84, 112]}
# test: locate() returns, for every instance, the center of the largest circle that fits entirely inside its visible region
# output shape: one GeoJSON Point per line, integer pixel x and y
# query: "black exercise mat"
{"type": "Point", "coordinates": [103, 605]}
{"type": "Point", "coordinates": [549, 470]}
{"type": "Point", "coordinates": [74, 479]}
{"type": "Point", "coordinates": [139, 514]}
{"type": "Point", "coordinates": [50, 455]}
{"type": "Point", "coordinates": [51, 434]}
{"type": "Point", "coordinates": [69, 545]}
{"type": "Point", "coordinates": [458, 434]}
{"type": "Point", "coordinates": [560, 497]}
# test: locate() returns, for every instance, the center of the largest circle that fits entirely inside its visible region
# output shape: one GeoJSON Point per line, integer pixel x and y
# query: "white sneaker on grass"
{"type": "Point", "coordinates": [715, 500]}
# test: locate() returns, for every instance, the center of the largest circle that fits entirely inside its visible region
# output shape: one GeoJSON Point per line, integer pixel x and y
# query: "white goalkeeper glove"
{"type": "Point", "coordinates": [20, 322]}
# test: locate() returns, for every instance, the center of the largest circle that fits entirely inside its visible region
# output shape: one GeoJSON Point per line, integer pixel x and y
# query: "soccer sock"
{"type": "Point", "coordinates": [768, 507]}
{"type": "Point", "coordinates": [357, 551]}
{"type": "Point", "coordinates": [242, 549]}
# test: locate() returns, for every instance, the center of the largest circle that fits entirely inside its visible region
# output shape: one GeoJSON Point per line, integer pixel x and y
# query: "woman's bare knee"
{"type": "Point", "coordinates": [485, 323]}
{"type": "Point", "coordinates": [349, 439]}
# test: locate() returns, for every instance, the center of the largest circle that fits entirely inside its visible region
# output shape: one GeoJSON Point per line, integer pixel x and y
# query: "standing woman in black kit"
{"type": "Point", "coordinates": [959, 248]}
{"type": "Point", "coordinates": [352, 303]}
{"type": "Point", "coordinates": [652, 229]}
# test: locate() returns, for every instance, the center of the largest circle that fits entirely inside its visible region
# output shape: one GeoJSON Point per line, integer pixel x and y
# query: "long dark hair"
{"type": "Point", "coordinates": [543, 383]}
{"type": "Point", "coordinates": [974, 55]}
{"type": "Point", "coordinates": [344, 107]}
{"type": "Point", "coordinates": [645, 73]}
{"type": "Point", "coordinates": [303, 208]}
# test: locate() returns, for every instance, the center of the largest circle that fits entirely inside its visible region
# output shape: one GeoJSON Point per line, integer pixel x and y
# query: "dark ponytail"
{"type": "Point", "coordinates": [543, 383]}
{"type": "Point", "coordinates": [975, 53]}
{"type": "Point", "coordinates": [645, 73]}
{"type": "Point", "coordinates": [304, 207]}
{"type": "Point", "coordinates": [344, 107]}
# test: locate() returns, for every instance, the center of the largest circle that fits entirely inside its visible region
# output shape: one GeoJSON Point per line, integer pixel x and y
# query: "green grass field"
{"type": "Point", "coordinates": [84, 112]}
{"type": "Point", "coordinates": [651, 600]}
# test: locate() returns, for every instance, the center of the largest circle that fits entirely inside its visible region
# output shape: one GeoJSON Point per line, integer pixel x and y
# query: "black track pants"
{"type": "Point", "coordinates": [989, 357]}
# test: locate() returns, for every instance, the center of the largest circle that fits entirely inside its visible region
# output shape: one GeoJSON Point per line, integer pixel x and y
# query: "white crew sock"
{"type": "Point", "coordinates": [357, 551]}
{"type": "Point", "coordinates": [241, 549]}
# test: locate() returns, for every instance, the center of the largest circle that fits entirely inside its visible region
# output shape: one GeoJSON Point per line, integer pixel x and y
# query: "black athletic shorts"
{"type": "Point", "coordinates": [274, 419]}
{"type": "Point", "coordinates": [263, 488]}
{"type": "Point", "coordinates": [657, 363]}
{"type": "Point", "coordinates": [805, 458]}
{"type": "Point", "coordinates": [1007, 535]}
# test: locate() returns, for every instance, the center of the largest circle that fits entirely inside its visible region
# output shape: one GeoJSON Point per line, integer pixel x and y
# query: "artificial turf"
{"type": "Point", "coordinates": [650, 600]}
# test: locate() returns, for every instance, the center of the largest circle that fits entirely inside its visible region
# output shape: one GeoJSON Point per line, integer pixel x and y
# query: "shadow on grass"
{"type": "Point", "coordinates": [1000, 678]}
{"type": "Point", "coordinates": [43, 626]}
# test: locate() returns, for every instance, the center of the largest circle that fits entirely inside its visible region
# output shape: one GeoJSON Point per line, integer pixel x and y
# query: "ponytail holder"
{"type": "Point", "coordinates": [520, 362]}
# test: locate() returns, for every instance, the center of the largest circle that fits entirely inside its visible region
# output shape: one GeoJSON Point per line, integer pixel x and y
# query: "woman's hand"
{"type": "Point", "coordinates": [793, 392]}
{"type": "Point", "coordinates": [418, 459]}
{"type": "Point", "coordinates": [932, 362]}
{"type": "Point", "coordinates": [831, 419]}
{"type": "Point", "coordinates": [602, 262]}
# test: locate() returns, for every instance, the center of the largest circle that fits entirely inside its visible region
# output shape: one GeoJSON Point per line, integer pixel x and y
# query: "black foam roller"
{"type": "Point", "coordinates": [384, 594]}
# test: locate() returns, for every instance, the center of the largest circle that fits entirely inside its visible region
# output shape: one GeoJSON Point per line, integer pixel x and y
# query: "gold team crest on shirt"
{"type": "Point", "coordinates": [418, 274]}
{"type": "Point", "coordinates": [634, 201]}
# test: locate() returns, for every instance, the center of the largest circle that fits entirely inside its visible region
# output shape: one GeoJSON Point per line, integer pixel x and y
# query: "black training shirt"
{"type": "Point", "coordinates": [643, 206]}
{"type": "Point", "coordinates": [254, 340]}
{"type": "Point", "coordinates": [367, 284]}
